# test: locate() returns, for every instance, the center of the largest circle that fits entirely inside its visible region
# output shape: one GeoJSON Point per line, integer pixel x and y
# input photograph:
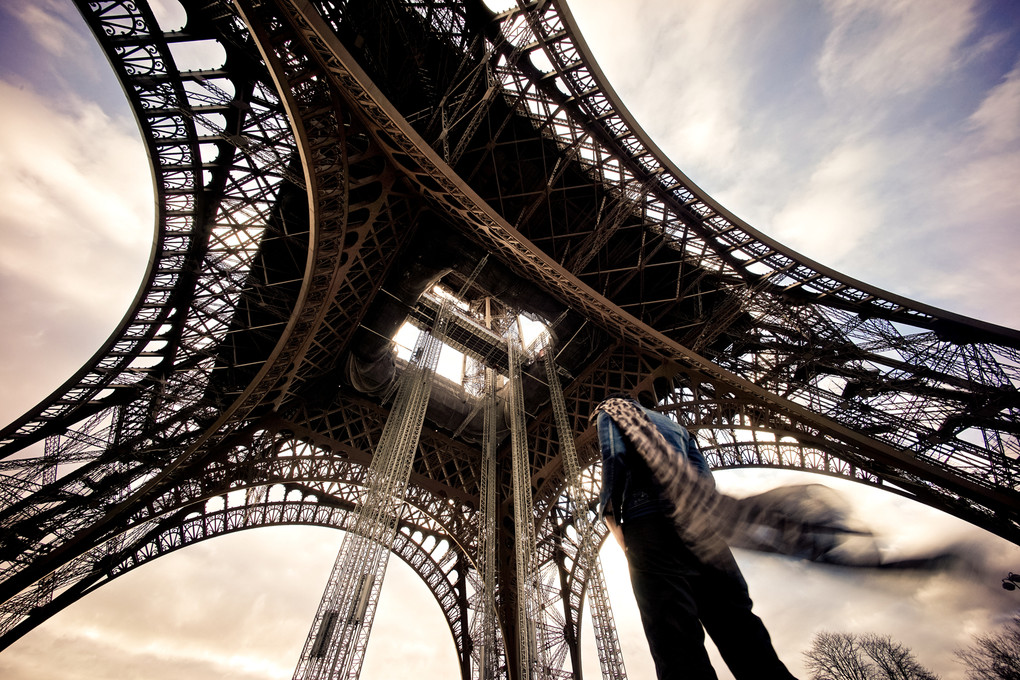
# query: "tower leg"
{"type": "Point", "coordinates": [336, 643]}
{"type": "Point", "coordinates": [606, 639]}
{"type": "Point", "coordinates": [488, 657]}
{"type": "Point", "coordinates": [530, 648]}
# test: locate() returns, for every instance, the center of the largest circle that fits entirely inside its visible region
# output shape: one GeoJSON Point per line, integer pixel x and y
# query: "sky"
{"type": "Point", "coordinates": [879, 137]}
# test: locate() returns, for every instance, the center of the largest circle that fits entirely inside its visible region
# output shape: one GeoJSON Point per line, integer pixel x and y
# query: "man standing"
{"type": "Point", "coordinates": [678, 590]}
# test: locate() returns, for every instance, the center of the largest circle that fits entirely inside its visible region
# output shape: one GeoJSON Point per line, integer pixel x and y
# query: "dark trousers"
{"type": "Point", "coordinates": [677, 594]}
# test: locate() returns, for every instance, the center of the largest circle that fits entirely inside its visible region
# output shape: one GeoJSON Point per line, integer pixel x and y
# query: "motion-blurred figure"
{"type": "Point", "coordinates": [682, 572]}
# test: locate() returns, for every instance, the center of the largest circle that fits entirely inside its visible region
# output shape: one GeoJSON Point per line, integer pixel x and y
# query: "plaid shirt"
{"type": "Point", "coordinates": [628, 487]}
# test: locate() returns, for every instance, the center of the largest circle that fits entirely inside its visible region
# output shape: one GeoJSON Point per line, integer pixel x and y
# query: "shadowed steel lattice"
{"type": "Point", "coordinates": [349, 162]}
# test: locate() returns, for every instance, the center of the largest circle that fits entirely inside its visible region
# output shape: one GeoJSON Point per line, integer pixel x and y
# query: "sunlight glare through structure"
{"type": "Point", "coordinates": [453, 363]}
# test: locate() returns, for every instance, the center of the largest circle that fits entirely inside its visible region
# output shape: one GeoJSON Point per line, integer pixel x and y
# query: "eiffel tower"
{"type": "Point", "coordinates": [355, 165]}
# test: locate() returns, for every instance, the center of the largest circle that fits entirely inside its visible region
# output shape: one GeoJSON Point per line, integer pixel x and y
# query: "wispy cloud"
{"type": "Point", "coordinates": [974, 241]}
{"type": "Point", "coordinates": [836, 210]}
{"type": "Point", "coordinates": [45, 20]}
{"type": "Point", "coordinates": [997, 120]}
{"type": "Point", "coordinates": [858, 135]}
{"type": "Point", "coordinates": [877, 49]}
{"type": "Point", "coordinates": [76, 221]}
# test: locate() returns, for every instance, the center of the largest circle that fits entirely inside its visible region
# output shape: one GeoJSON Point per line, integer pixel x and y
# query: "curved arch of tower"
{"type": "Point", "coordinates": [355, 165]}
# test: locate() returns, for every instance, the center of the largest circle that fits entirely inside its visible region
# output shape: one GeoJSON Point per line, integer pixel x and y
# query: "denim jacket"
{"type": "Point", "coordinates": [628, 488]}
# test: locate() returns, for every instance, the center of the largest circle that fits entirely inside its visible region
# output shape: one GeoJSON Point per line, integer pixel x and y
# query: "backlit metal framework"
{"type": "Point", "coordinates": [346, 155]}
{"type": "Point", "coordinates": [488, 649]}
{"type": "Point", "coordinates": [336, 644]}
{"type": "Point", "coordinates": [531, 633]}
{"type": "Point", "coordinates": [587, 538]}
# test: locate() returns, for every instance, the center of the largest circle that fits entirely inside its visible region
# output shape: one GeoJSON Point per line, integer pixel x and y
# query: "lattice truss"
{"type": "Point", "coordinates": [286, 187]}
{"type": "Point", "coordinates": [336, 645]}
{"type": "Point", "coordinates": [583, 532]}
{"type": "Point", "coordinates": [128, 414]}
{"type": "Point", "coordinates": [915, 378]}
{"type": "Point", "coordinates": [222, 148]}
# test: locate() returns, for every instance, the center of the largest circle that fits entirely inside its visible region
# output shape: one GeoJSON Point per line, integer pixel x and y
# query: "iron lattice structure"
{"type": "Point", "coordinates": [346, 156]}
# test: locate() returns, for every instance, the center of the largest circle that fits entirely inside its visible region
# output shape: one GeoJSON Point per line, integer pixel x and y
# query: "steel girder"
{"type": "Point", "coordinates": [252, 297]}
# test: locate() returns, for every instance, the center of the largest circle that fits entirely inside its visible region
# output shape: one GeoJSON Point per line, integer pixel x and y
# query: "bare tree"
{"type": "Point", "coordinates": [847, 656]}
{"type": "Point", "coordinates": [994, 657]}
{"type": "Point", "coordinates": [836, 656]}
{"type": "Point", "coordinates": [893, 660]}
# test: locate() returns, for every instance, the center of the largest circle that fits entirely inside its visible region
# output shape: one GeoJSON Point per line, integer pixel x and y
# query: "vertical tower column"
{"type": "Point", "coordinates": [606, 639]}
{"type": "Point", "coordinates": [336, 643]}
{"type": "Point", "coordinates": [530, 649]}
{"type": "Point", "coordinates": [488, 663]}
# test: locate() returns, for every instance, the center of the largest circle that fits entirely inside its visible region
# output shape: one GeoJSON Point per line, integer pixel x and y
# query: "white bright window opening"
{"type": "Point", "coordinates": [452, 362]}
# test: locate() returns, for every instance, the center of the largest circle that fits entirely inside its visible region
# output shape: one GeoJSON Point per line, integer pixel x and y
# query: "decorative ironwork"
{"type": "Point", "coordinates": [345, 156]}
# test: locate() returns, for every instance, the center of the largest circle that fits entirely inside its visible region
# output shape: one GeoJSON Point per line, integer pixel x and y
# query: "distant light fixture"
{"type": "Point", "coordinates": [1011, 581]}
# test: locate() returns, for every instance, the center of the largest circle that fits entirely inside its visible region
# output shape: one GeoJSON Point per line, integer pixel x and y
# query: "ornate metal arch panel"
{"type": "Point", "coordinates": [349, 155]}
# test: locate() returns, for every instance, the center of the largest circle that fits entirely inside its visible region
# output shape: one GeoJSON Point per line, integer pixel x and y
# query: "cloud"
{"type": "Point", "coordinates": [685, 78]}
{"type": "Point", "coordinates": [875, 163]}
{"type": "Point", "coordinates": [969, 263]}
{"type": "Point", "coordinates": [837, 209]}
{"type": "Point", "coordinates": [236, 607]}
{"type": "Point", "coordinates": [997, 120]}
{"type": "Point", "coordinates": [881, 48]}
{"type": "Point", "coordinates": [76, 222]}
{"type": "Point", "coordinates": [45, 21]}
